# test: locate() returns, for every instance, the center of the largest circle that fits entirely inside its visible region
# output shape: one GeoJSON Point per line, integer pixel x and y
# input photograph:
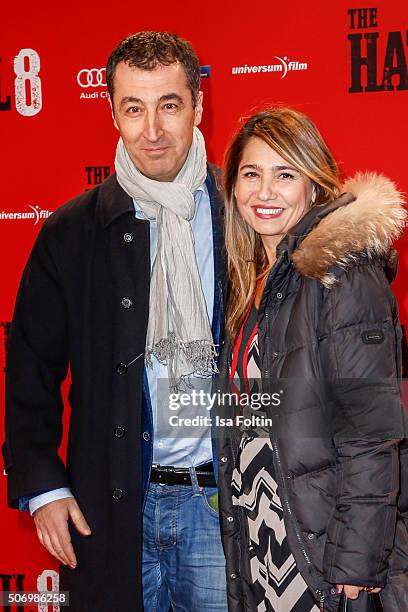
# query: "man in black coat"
{"type": "Point", "coordinates": [127, 274]}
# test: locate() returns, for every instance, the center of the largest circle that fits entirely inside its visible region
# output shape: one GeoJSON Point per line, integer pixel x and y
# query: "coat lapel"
{"type": "Point", "coordinates": [213, 183]}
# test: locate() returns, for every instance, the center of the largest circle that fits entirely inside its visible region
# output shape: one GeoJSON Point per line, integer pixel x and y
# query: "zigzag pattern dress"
{"type": "Point", "coordinates": [276, 583]}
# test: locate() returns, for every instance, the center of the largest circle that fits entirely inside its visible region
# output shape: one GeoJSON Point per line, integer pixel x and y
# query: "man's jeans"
{"type": "Point", "coordinates": [183, 560]}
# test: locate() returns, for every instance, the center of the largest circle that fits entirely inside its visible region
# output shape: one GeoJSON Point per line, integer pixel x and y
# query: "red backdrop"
{"type": "Point", "coordinates": [57, 136]}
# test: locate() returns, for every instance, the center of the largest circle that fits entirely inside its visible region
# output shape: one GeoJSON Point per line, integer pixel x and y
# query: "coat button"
{"type": "Point", "coordinates": [279, 296]}
{"type": "Point", "coordinates": [310, 536]}
{"type": "Point", "coordinates": [119, 431]}
{"type": "Point", "coordinates": [118, 493]}
{"type": "Point", "coordinates": [127, 237]}
{"type": "Point", "coordinates": [146, 436]}
{"type": "Point", "coordinates": [233, 576]}
{"type": "Point", "coordinates": [121, 368]}
{"type": "Point", "coordinates": [224, 459]}
{"type": "Point", "coordinates": [127, 303]}
{"type": "Point", "coordinates": [333, 591]}
{"type": "Point", "coordinates": [230, 519]}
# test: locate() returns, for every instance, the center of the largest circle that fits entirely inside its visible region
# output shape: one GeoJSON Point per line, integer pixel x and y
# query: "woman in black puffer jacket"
{"type": "Point", "coordinates": [313, 485]}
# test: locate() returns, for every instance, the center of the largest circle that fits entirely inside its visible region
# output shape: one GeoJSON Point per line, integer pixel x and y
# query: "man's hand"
{"type": "Point", "coordinates": [351, 591]}
{"type": "Point", "coordinates": [51, 521]}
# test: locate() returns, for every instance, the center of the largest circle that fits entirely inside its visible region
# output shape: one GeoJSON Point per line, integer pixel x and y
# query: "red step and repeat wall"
{"type": "Point", "coordinates": [344, 63]}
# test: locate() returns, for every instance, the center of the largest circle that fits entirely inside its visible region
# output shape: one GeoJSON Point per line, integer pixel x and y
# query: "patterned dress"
{"type": "Point", "coordinates": [276, 583]}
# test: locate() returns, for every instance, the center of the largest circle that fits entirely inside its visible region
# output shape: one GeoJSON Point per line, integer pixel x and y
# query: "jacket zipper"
{"type": "Point", "coordinates": [266, 316]}
{"type": "Point", "coordinates": [318, 592]}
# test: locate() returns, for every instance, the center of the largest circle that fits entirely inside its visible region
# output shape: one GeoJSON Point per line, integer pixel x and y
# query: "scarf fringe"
{"type": "Point", "coordinates": [201, 354]}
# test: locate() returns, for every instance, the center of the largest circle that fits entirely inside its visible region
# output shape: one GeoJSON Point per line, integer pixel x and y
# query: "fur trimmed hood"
{"type": "Point", "coordinates": [367, 223]}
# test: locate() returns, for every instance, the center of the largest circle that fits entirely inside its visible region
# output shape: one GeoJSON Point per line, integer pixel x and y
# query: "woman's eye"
{"type": "Point", "coordinates": [251, 174]}
{"type": "Point", "coordinates": [286, 176]}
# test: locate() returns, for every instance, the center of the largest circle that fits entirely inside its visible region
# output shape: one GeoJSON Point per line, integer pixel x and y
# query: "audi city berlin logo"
{"type": "Point", "coordinates": [91, 77]}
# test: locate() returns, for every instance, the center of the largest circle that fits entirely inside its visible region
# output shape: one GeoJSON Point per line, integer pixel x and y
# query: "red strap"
{"type": "Point", "coordinates": [236, 351]}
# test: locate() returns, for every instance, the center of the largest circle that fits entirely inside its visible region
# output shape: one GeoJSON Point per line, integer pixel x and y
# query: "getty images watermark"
{"type": "Point", "coordinates": [201, 399]}
{"type": "Point", "coordinates": [363, 408]}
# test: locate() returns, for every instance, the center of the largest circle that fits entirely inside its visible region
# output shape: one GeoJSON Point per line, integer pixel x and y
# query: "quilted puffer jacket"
{"type": "Point", "coordinates": [330, 342]}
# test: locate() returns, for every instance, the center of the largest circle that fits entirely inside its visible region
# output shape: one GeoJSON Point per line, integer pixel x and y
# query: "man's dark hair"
{"type": "Point", "coordinates": [145, 50]}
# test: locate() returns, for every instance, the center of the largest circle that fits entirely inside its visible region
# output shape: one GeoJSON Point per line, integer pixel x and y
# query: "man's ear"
{"type": "Point", "coordinates": [112, 112]}
{"type": "Point", "coordinates": [198, 111]}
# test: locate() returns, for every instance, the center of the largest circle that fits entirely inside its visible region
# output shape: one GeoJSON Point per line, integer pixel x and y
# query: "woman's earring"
{"type": "Point", "coordinates": [313, 199]}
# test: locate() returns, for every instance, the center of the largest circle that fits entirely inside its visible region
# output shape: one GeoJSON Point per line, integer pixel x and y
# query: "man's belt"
{"type": "Point", "coordinates": [173, 475]}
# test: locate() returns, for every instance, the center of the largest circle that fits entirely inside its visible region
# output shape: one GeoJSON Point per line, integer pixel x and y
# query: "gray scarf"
{"type": "Point", "coordinates": [179, 332]}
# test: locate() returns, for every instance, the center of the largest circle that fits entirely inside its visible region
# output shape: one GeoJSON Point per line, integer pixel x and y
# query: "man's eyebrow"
{"type": "Point", "coordinates": [171, 96]}
{"type": "Point", "coordinates": [165, 98]}
{"type": "Point", "coordinates": [131, 99]}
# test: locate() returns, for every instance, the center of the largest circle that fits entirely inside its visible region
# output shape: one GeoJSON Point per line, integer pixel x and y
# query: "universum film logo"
{"type": "Point", "coordinates": [35, 214]}
{"type": "Point", "coordinates": [284, 66]}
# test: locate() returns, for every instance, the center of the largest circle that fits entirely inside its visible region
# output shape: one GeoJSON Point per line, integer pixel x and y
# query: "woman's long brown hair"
{"type": "Point", "coordinates": [295, 138]}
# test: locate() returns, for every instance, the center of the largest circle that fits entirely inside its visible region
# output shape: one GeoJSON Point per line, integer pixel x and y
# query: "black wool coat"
{"type": "Point", "coordinates": [329, 334]}
{"type": "Point", "coordinates": [91, 257]}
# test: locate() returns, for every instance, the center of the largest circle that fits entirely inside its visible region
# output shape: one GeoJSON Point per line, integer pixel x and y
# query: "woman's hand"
{"type": "Point", "coordinates": [352, 592]}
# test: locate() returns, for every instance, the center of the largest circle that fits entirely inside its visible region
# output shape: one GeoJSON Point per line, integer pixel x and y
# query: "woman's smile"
{"type": "Point", "coordinates": [264, 212]}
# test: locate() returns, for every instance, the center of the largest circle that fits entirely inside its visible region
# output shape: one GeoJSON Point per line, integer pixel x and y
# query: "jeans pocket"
{"type": "Point", "coordinates": [209, 498]}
